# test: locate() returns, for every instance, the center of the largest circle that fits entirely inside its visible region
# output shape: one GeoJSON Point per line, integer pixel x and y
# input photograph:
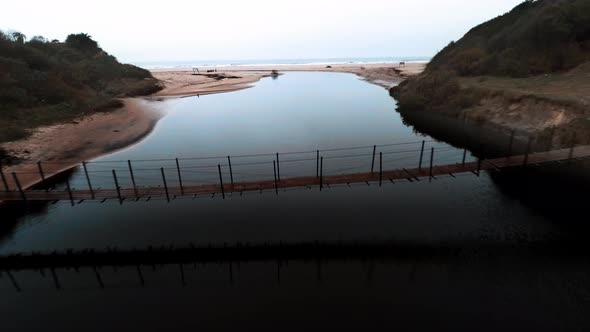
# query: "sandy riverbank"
{"type": "Point", "coordinates": [182, 81]}
{"type": "Point", "coordinates": [63, 146]}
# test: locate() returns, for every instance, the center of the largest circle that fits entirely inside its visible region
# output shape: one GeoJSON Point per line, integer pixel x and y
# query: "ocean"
{"type": "Point", "coordinates": [277, 62]}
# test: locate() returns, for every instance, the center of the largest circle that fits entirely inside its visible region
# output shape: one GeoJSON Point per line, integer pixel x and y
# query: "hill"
{"type": "Point", "coordinates": [44, 82]}
{"type": "Point", "coordinates": [512, 71]}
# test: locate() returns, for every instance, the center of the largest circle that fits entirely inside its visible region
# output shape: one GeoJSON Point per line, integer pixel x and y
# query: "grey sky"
{"type": "Point", "coordinates": [255, 29]}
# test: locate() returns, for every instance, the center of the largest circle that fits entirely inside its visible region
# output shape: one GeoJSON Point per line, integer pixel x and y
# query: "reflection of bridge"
{"type": "Point", "coordinates": [430, 164]}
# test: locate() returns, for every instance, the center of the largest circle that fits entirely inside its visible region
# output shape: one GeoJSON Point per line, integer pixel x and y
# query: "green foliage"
{"type": "Point", "coordinates": [534, 38]}
{"type": "Point", "coordinates": [43, 82]}
{"type": "Point", "coordinates": [436, 91]}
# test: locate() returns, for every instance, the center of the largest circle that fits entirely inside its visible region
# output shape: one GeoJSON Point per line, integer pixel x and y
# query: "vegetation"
{"type": "Point", "coordinates": [43, 82]}
{"type": "Point", "coordinates": [536, 37]}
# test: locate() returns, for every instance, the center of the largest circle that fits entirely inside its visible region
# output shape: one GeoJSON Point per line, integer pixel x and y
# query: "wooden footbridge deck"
{"type": "Point", "coordinates": [277, 183]}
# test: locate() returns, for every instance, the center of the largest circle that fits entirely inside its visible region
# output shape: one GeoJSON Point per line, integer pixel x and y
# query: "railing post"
{"type": "Point", "coordinates": [117, 187]}
{"type": "Point", "coordinates": [380, 168]}
{"type": "Point", "coordinates": [373, 160]}
{"type": "Point", "coordinates": [231, 173]}
{"type": "Point", "coordinates": [4, 182]}
{"type": "Point", "coordinates": [70, 192]}
{"type": "Point", "coordinates": [165, 184]}
{"type": "Point", "coordinates": [20, 188]}
{"type": "Point", "coordinates": [511, 143]}
{"type": "Point", "coordinates": [40, 167]}
{"type": "Point", "coordinates": [464, 157]}
{"type": "Point", "coordinates": [528, 150]}
{"type": "Point", "coordinates": [132, 179]}
{"type": "Point", "coordinates": [317, 164]}
{"type": "Point", "coordinates": [431, 161]}
{"type": "Point", "coordinates": [572, 146]}
{"type": "Point", "coordinates": [180, 177]}
{"type": "Point", "coordinates": [278, 168]}
{"type": "Point", "coordinates": [321, 173]}
{"type": "Point", "coordinates": [221, 181]}
{"type": "Point", "coordinates": [88, 180]}
{"type": "Point", "coordinates": [421, 156]}
{"type": "Point", "coordinates": [274, 165]}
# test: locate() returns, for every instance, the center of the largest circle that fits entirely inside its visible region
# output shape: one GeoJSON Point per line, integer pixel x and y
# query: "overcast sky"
{"type": "Point", "coordinates": [177, 30]}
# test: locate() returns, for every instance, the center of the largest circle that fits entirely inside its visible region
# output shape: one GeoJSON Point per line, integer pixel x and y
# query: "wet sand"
{"type": "Point", "coordinates": [63, 146]}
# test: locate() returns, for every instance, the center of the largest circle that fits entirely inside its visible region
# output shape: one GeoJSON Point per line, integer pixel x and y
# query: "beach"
{"type": "Point", "coordinates": [183, 82]}
{"type": "Point", "coordinates": [63, 146]}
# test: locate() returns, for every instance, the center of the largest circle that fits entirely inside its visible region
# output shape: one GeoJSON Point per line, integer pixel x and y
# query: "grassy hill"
{"type": "Point", "coordinates": [44, 82]}
{"type": "Point", "coordinates": [520, 70]}
{"type": "Point", "coordinates": [535, 38]}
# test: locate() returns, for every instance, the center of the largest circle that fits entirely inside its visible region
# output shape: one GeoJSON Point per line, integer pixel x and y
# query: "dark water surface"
{"type": "Point", "coordinates": [296, 112]}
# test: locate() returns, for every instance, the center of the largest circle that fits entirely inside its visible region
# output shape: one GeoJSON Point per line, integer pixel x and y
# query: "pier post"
{"type": "Point", "coordinates": [231, 173]}
{"type": "Point", "coordinates": [88, 179]}
{"type": "Point", "coordinates": [117, 187]}
{"type": "Point", "coordinates": [70, 192]}
{"type": "Point", "coordinates": [40, 167]}
{"type": "Point", "coordinates": [431, 161]}
{"type": "Point", "coordinates": [4, 182]}
{"type": "Point", "coordinates": [165, 184]}
{"type": "Point", "coordinates": [278, 168]}
{"type": "Point", "coordinates": [317, 164]}
{"type": "Point", "coordinates": [421, 156]}
{"type": "Point", "coordinates": [274, 165]}
{"type": "Point", "coordinates": [380, 168]}
{"type": "Point", "coordinates": [528, 150]}
{"type": "Point", "coordinates": [464, 157]}
{"type": "Point", "coordinates": [511, 143]}
{"type": "Point", "coordinates": [373, 160]}
{"type": "Point", "coordinates": [132, 179]}
{"type": "Point", "coordinates": [19, 187]}
{"type": "Point", "coordinates": [221, 181]}
{"type": "Point", "coordinates": [180, 177]}
{"type": "Point", "coordinates": [321, 173]}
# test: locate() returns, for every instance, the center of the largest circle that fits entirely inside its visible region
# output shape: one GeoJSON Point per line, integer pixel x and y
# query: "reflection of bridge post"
{"type": "Point", "coordinates": [528, 150]}
{"type": "Point", "coordinates": [55, 280]}
{"type": "Point", "coordinates": [572, 145]}
{"type": "Point", "coordinates": [181, 266]}
{"type": "Point", "coordinates": [13, 280]}
{"type": "Point", "coordinates": [142, 282]}
{"type": "Point", "coordinates": [98, 277]}
{"type": "Point", "coordinates": [69, 188]}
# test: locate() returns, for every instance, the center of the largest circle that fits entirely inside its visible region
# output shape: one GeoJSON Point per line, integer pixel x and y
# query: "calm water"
{"type": "Point", "coordinates": [296, 112]}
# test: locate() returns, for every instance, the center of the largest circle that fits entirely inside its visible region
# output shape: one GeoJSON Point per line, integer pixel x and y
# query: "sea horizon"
{"type": "Point", "coordinates": [278, 62]}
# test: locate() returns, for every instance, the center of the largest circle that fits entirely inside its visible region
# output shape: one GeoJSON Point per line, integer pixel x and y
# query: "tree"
{"type": "Point", "coordinates": [82, 41]}
{"type": "Point", "coordinates": [40, 39]}
{"type": "Point", "coordinates": [19, 37]}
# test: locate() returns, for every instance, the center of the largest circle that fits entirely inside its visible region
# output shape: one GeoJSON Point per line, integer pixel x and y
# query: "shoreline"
{"type": "Point", "coordinates": [62, 147]}
{"type": "Point", "coordinates": [182, 82]}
